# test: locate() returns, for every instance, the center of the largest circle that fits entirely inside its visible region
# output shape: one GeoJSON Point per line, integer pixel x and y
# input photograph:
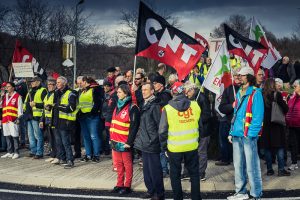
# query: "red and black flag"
{"type": "Point", "coordinates": [239, 45]}
{"type": "Point", "coordinates": [158, 40]}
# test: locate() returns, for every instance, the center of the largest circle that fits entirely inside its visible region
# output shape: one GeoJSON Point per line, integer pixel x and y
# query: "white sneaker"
{"type": "Point", "coordinates": [49, 160]}
{"type": "Point", "coordinates": [8, 155]}
{"type": "Point", "coordinates": [293, 167]}
{"type": "Point", "coordinates": [238, 196]}
{"type": "Point", "coordinates": [55, 161]}
{"type": "Point", "coordinates": [16, 156]}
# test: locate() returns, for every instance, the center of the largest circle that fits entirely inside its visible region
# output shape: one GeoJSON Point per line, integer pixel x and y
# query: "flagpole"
{"type": "Point", "coordinates": [134, 68]}
{"type": "Point", "coordinates": [232, 81]}
{"type": "Point", "coordinates": [13, 58]}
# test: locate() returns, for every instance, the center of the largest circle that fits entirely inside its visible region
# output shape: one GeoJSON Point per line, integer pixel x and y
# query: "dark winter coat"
{"type": "Point", "coordinates": [273, 135]}
{"type": "Point", "coordinates": [147, 139]}
{"type": "Point", "coordinates": [109, 104]}
{"type": "Point", "coordinates": [164, 97]}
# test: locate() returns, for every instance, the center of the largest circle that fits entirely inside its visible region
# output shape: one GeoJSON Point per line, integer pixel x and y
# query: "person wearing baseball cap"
{"type": "Point", "coordinates": [245, 130]}
{"type": "Point", "coordinates": [179, 138]}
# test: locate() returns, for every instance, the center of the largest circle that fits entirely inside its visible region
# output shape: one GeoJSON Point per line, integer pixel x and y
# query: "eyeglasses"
{"type": "Point", "coordinates": [51, 84]}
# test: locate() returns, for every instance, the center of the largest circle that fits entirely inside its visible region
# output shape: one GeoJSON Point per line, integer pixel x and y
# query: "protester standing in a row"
{"type": "Point", "coordinates": [147, 142]}
{"type": "Point", "coordinates": [245, 129]}
{"type": "Point", "coordinates": [33, 110]}
{"type": "Point", "coordinates": [12, 110]}
{"type": "Point", "coordinates": [124, 126]}
{"type": "Point", "coordinates": [179, 137]}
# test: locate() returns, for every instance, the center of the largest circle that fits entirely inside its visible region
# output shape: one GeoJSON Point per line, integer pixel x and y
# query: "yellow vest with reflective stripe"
{"type": "Point", "coordinates": [183, 132]}
{"type": "Point", "coordinates": [36, 112]}
{"type": "Point", "coordinates": [65, 101]}
{"type": "Point", "coordinates": [194, 80]}
{"type": "Point", "coordinates": [86, 102]}
{"type": "Point", "coordinates": [235, 63]}
{"type": "Point", "coordinates": [48, 101]}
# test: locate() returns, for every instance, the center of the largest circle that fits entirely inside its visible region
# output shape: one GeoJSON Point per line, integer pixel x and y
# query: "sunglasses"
{"type": "Point", "coordinates": [137, 78]}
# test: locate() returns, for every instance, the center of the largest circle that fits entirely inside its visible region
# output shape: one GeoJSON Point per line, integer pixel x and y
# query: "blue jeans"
{"type": "Point", "coordinates": [225, 146]}
{"type": "Point", "coordinates": [246, 163]}
{"type": "Point", "coordinates": [280, 158]}
{"type": "Point", "coordinates": [164, 162]}
{"type": "Point", "coordinates": [63, 144]}
{"type": "Point", "coordinates": [90, 131]}
{"type": "Point", "coordinates": [36, 138]}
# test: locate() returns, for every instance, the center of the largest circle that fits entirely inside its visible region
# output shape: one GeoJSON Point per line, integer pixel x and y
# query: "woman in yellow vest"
{"type": "Point", "coordinates": [90, 101]}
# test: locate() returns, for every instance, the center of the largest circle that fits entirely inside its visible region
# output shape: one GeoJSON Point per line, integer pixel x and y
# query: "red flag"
{"type": "Point", "coordinates": [55, 75]}
{"type": "Point", "coordinates": [251, 50]}
{"type": "Point", "coordinates": [158, 40]}
{"type": "Point", "coordinates": [201, 40]}
{"type": "Point", "coordinates": [23, 55]}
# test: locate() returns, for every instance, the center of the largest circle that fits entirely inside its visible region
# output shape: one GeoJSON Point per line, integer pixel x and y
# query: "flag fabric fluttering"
{"type": "Point", "coordinates": [219, 76]}
{"type": "Point", "coordinates": [159, 40]}
{"type": "Point", "coordinates": [250, 50]}
{"type": "Point", "coordinates": [201, 40]}
{"type": "Point", "coordinates": [22, 55]}
{"type": "Point", "coordinates": [257, 33]}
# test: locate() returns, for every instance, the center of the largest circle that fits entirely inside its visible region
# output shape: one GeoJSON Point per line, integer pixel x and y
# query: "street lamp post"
{"type": "Point", "coordinates": [75, 41]}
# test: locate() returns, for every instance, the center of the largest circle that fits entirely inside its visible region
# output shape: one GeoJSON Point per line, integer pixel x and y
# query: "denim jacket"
{"type": "Point", "coordinates": [238, 121]}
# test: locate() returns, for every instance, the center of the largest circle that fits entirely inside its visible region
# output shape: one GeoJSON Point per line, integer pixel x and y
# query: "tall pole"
{"type": "Point", "coordinates": [75, 42]}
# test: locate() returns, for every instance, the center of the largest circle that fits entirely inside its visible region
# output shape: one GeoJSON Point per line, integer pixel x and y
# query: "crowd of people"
{"type": "Point", "coordinates": [164, 124]}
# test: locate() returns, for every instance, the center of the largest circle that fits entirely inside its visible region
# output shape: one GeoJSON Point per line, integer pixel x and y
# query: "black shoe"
{"type": "Point", "coordinates": [77, 155]}
{"type": "Point", "coordinates": [85, 159]}
{"type": "Point", "coordinates": [96, 159]}
{"type": "Point", "coordinates": [202, 177]}
{"type": "Point", "coordinates": [185, 177]}
{"type": "Point", "coordinates": [125, 190]}
{"type": "Point", "coordinates": [30, 155]}
{"type": "Point", "coordinates": [270, 172]}
{"type": "Point", "coordinates": [116, 189]}
{"type": "Point", "coordinates": [283, 173]}
{"type": "Point", "coordinates": [62, 162]}
{"type": "Point", "coordinates": [69, 165]}
{"type": "Point", "coordinates": [222, 163]}
{"type": "Point", "coordinates": [146, 196]}
{"type": "Point", "coordinates": [38, 157]}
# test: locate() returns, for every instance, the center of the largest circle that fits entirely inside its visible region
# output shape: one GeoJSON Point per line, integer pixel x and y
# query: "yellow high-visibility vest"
{"type": "Point", "coordinates": [65, 101]}
{"type": "Point", "coordinates": [235, 63]}
{"type": "Point", "coordinates": [36, 112]}
{"type": "Point", "coordinates": [48, 101]}
{"type": "Point", "coordinates": [86, 102]}
{"type": "Point", "coordinates": [183, 132]}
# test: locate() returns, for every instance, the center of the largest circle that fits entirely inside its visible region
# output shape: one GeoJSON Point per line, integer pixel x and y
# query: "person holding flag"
{"type": "Point", "coordinates": [245, 129]}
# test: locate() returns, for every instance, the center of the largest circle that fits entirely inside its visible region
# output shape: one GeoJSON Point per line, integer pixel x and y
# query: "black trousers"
{"type": "Point", "coordinates": [51, 139]}
{"type": "Point", "coordinates": [153, 175]}
{"type": "Point", "coordinates": [191, 162]}
{"type": "Point", "coordinates": [77, 139]}
{"type": "Point", "coordinates": [294, 142]}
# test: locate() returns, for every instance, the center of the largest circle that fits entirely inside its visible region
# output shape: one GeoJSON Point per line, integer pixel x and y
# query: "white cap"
{"type": "Point", "coordinates": [278, 80]}
{"type": "Point", "coordinates": [246, 70]}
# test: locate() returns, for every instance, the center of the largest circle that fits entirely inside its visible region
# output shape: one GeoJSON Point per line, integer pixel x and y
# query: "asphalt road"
{"type": "Point", "coordinates": [20, 192]}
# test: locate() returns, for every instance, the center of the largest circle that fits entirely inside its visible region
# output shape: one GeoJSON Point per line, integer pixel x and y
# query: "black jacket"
{"type": "Point", "coordinates": [227, 100]}
{"type": "Point", "coordinates": [206, 114]}
{"type": "Point", "coordinates": [63, 124]}
{"type": "Point", "coordinates": [164, 97]}
{"type": "Point", "coordinates": [147, 139]}
{"type": "Point", "coordinates": [109, 104]}
{"type": "Point", "coordinates": [28, 111]}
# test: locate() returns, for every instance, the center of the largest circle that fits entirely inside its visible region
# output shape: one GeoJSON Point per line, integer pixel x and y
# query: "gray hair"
{"type": "Point", "coordinates": [79, 78]}
{"type": "Point", "coordinates": [297, 82]}
{"type": "Point", "coordinates": [64, 79]}
{"type": "Point", "coordinates": [173, 77]}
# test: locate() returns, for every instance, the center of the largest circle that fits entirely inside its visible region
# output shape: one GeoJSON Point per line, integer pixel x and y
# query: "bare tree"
{"type": "Point", "coordinates": [238, 22]}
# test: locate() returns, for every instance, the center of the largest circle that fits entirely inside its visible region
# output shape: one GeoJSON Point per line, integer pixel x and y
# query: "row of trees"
{"type": "Point", "coordinates": [41, 28]}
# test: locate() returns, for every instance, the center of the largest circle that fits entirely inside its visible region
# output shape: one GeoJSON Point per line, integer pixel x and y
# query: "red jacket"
{"type": "Point", "coordinates": [10, 111]}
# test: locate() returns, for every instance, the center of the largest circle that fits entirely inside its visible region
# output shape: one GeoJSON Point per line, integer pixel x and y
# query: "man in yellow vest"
{"type": "Point", "coordinates": [179, 137]}
{"type": "Point", "coordinates": [234, 62]}
{"type": "Point", "coordinates": [33, 110]}
{"type": "Point", "coordinates": [64, 120]}
{"type": "Point", "coordinates": [46, 119]}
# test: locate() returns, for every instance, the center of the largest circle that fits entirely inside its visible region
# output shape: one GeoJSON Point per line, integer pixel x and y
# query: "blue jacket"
{"type": "Point", "coordinates": [238, 126]}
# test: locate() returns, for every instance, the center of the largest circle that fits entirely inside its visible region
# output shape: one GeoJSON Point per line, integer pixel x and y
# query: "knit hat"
{"type": "Point", "coordinates": [177, 87]}
{"type": "Point", "coordinates": [160, 79]}
{"type": "Point", "coordinates": [111, 69]}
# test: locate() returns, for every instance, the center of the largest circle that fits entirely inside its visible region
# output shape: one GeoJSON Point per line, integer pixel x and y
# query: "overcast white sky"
{"type": "Point", "coordinates": [278, 16]}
